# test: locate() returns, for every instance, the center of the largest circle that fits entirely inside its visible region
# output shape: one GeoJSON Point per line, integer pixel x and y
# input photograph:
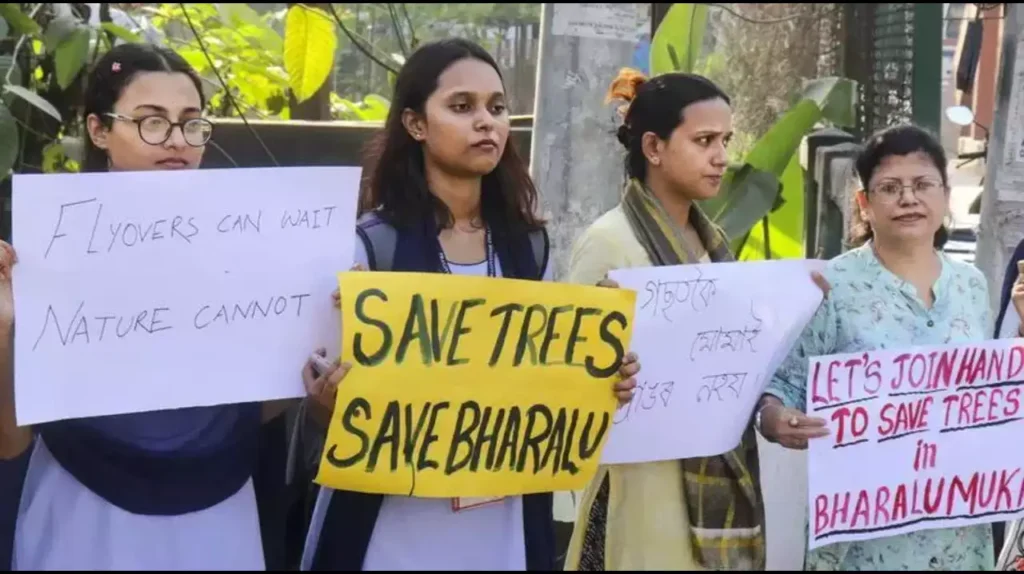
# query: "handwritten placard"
{"type": "Point", "coordinates": [709, 338]}
{"type": "Point", "coordinates": [155, 290]}
{"type": "Point", "coordinates": [472, 386]}
{"type": "Point", "coordinates": [935, 426]}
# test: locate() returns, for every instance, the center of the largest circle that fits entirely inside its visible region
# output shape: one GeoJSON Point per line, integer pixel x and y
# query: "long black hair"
{"type": "Point", "coordinates": [112, 74]}
{"type": "Point", "coordinates": [655, 105]}
{"type": "Point", "coordinates": [395, 182]}
{"type": "Point", "coordinates": [895, 141]}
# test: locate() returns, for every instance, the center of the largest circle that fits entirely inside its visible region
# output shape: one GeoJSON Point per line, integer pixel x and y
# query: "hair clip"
{"type": "Point", "coordinates": [115, 67]}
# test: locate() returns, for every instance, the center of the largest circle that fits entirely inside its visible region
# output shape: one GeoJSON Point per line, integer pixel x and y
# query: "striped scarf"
{"type": "Point", "coordinates": [722, 492]}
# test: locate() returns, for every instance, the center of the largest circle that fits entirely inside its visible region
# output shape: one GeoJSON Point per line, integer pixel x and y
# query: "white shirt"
{"type": "Point", "coordinates": [425, 533]}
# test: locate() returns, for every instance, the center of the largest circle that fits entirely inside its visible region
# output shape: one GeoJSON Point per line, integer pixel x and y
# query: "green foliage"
{"type": "Point", "coordinates": [372, 109]}
{"type": "Point", "coordinates": [752, 192]}
{"type": "Point", "coordinates": [17, 20]}
{"type": "Point", "coordinates": [8, 142]}
{"type": "Point", "coordinates": [677, 43]}
{"type": "Point", "coordinates": [763, 188]}
{"type": "Point", "coordinates": [262, 59]}
{"type": "Point", "coordinates": [245, 47]}
{"type": "Point", "coordinates": [309, 45]}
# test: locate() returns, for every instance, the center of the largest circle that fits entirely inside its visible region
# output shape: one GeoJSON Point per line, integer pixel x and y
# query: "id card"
{"type": "Point", "coordinates": [471, 502]}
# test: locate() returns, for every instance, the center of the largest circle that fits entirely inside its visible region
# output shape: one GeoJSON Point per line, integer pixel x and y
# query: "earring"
{"type": "Point", "coordinates": [655, 161]}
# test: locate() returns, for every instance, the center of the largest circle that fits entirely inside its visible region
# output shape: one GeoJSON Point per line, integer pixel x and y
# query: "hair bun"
{"type": "Point", "coordinates": [625, 85]}
{"type": "Point", "coordinates": [623, 135]}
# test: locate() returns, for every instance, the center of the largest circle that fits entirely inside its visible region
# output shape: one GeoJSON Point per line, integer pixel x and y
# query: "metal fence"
{"type": "Point", "coordinates": [894, 53]}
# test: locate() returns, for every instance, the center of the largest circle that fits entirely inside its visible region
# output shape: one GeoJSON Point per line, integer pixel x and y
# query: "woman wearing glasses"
{"type": "Point", "coordinates": [895, 289]}
{"type": "Point", "coordinates": [166, 490]}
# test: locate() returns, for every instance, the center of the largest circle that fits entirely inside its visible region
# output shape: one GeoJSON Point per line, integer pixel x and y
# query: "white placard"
{"type": "Point", "coordinates": [921, 438]}
{"type": "Point", "coordinates": [625, 22]}
{"type": "Point", "coordinates": [709, 337]}
{"type": "Point", "coordinates": [156, 290]}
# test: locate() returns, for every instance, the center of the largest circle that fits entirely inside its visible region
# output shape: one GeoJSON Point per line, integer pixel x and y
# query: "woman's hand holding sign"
{"type": "Point", "coordinates": [13, 440]}
{"type": "Point", "coordinates": [321, 377]}
{"type": "Point", "coordinates": [630, 367]}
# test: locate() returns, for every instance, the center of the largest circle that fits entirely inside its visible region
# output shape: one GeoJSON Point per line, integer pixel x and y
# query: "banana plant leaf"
{"type": "Point", "coordinates": [677, 43]}
{"type": "Point", "coordinates": [773, 237]}
{"type": "Point", "coordinates": [752, 191]}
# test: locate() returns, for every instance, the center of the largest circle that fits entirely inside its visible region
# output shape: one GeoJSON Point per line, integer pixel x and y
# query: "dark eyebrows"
{"type": "Point", "coordinates": [706, 133]}
{"type": "Point", "coordinates": [163, 110]}
{"type": "Point", "coordinates": [466, 94]}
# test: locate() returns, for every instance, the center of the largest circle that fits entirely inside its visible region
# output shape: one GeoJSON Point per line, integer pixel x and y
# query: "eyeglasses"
{"type": "Point", "coordinates": [891, 190]}
{"type": "Point", "coordinates": [155, 130]}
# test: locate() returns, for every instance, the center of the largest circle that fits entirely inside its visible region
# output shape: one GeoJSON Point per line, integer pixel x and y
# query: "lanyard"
{"type": "Point", "coordinates": [491, 266]}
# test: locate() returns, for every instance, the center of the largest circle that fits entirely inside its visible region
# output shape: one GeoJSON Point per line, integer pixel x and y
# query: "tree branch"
{"type": "Point", "coordinates": [19, 44]}
{"type": "Point", "coordinates": [227, 90]}
{"type": "Point", "coordinates": [356, 43]}
{"type": "Point", "coordinates": [398, 30]}
{"type": "Point", "coordinates": [414, 42]}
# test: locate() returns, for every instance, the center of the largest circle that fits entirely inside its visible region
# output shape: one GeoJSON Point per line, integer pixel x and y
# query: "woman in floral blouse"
{"type": "Point", "coordinates": [894, 289]}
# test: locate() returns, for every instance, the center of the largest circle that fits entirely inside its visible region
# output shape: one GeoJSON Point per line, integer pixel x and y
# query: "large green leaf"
{"type": "Point", "coordinates": [17, 19]}
{"type": "Point", "coordinates": [121, 33]}
{"type": "Point", "coordinates": [771, 153]}
{"type": "Point", "coordinates": [677, 43]}
{"type": "Point", "coordinates": [309, 44]}
{"type": "Point", "coordinates": [749, 194]}
{"type": "Point", "coordinates": [785, 222]}
{"type": "Point", "coordinates": [70, 56]}
{"type": "Point", "coordinates": [59, 29]}
{"type": "Point", "coordinates": [8, 141]}
{"type": "Point", "coordinates": [34, 99]}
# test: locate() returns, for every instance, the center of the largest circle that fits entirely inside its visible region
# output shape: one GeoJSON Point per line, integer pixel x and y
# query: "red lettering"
{"type": "Point", "coordinates": [899, 506]}
{"type": "Point", "coordinates": [918, 365]}
{"type": "Point", "coordinates": [833, 380]}
{"type": "Point", "coordinates": [1004, 489]}
{"type": "Point", "coordinates": [981, 405]}
{"type": "Point", "coordinates": [964, 418]}
{"type": "Point", "coordinates": [898, 380]}
{"type": "Point", "coordinates": [979, 401]}
{"type": "Point", "coordinates": [1016, 362]}
{"type": "Point", "coordinates": [944, 372]}
{"type": "Point", "coordinates": [816, 397]}
{"type": "Point", "coordinates": [885, 413]}
{"type": "Point", "coordinates": [861, 510]}
{"type": "Point", "coordinates": [872, 371]}
{"type": "Point", "coordinates": [850, 366]}
{"type": "Point", "coordinates": [979, 366]}
{"type": "Point", "coordinates": [949, 401]}
{"type": "Point", "coordinates": [968, 494]}
{"type": "Point", "coordinates": [910, 416]}
{"type": "Point", "coordinates": [993, 401]}
{"type": "Point", "coordinates": [820, 513]}
{"type": "Point", "coordinates": [995, 367]}
{"type": "Point", "coordinates": [966, 367]}
{"type": "Point", "coordinates": [1012, 397]}
{"type": "Point", "coordinates": [985, 496]}
{"type": "Point", "coordinates": [931, 505]}
{"type": "Point", "coordinates": [840, 512]}
{"type": "Point", "coordinates": [858, 417]}
{"type": "Point", "coordinates": [881, 499]}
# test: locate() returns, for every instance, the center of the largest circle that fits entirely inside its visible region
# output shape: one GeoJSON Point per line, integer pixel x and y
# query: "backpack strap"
{"type": "Point", "coordinates": [541, 246]}
{"type": "Point", "coordinates": [379, 238]}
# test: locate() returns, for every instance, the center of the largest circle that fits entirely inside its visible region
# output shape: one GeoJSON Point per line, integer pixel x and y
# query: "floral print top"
{"type": "Point", "coordinates": [871, 308]}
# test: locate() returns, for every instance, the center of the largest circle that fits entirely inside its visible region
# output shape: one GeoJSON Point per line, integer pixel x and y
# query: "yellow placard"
{"type": "Point", "coordinates": [473, 386]}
